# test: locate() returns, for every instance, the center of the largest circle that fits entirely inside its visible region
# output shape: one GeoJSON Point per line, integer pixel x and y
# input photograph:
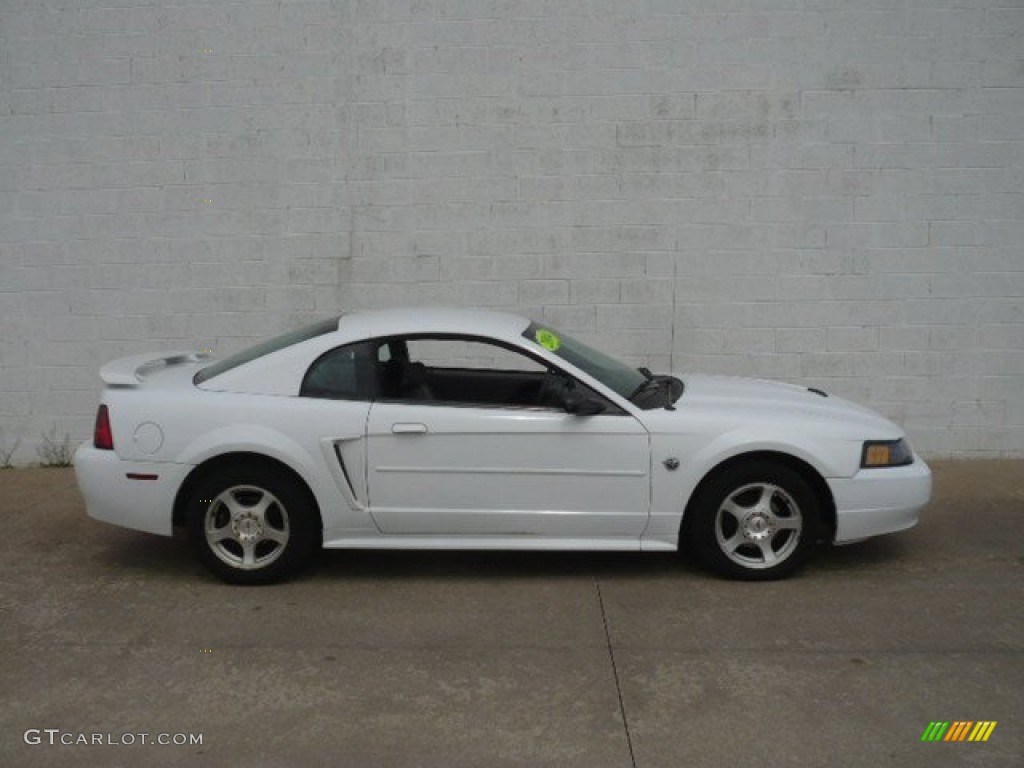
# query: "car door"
{"type": "Point", "coordinates": [458, 444]}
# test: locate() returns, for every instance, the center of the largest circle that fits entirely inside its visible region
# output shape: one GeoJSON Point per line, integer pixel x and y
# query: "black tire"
{"type": "Point", "coordinates": [253, 525]}
{"type": "Point", "coordinates": [754, 522]}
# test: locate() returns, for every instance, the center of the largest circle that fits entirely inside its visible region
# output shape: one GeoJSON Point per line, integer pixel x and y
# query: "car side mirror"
{"type": "Point", "coordinates": [582, 403]}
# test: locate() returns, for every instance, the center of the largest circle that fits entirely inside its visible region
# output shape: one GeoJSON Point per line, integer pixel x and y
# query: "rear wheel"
{"type": "Point", "coordinates": [252, 526]}
{"type": "Point", "coordinates": [755, 522]}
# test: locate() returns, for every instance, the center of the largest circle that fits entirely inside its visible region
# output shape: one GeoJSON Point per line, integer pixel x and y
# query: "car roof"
{"type": "Point", "coordinates": [396, 322]}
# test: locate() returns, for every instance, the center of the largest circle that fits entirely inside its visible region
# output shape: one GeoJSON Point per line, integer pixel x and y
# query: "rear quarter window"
{"type": "Point", "coordinates": [345, 373]}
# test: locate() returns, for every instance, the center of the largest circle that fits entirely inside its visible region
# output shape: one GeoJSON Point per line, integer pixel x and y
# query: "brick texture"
{"type": "Point", "coordinates": [814, 190]}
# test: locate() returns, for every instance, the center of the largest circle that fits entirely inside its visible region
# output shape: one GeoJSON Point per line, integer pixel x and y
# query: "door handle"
{"type": "Point", "coordinates": [409, 429]}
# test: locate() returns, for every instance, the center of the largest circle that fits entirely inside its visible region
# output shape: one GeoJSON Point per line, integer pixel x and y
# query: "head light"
{"type": "Point", "coordinates": [886, 453]}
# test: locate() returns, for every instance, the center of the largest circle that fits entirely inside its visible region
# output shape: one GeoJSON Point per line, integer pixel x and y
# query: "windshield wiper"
{"type": "Point", "coordinates": [642, 387]}
{"type": "Point", "coordinates": [655, 382]}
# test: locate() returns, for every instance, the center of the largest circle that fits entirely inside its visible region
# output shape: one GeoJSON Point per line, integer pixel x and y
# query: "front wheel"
{"type": "Point", "coordinates": [252, 526]}
{"type": "Point", "coordinates": [756, 522]}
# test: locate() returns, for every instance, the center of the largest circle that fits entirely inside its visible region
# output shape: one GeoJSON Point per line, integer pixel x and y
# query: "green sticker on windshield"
{"type": "Point", "coordinates": [548, 340]}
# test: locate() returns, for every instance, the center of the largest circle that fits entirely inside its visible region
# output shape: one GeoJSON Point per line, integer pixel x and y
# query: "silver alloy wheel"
{"type": "Point", "coordinates": [246, 527]}
{"type": "Point", "coordinates": [758, 525]}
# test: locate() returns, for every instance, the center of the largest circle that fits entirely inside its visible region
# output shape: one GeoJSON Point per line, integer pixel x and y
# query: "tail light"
{"type": "Point", "coordinates": [102, 437]}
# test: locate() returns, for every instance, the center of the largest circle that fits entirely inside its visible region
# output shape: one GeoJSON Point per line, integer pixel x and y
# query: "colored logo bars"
{"type": "Point", "coordinates": [959, 730]}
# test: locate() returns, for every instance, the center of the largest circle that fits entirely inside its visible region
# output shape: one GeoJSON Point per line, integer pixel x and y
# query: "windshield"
{"type": "Point", "coordinates": [612, 373]}
{"type": "Point", "coordinates": [265, 348]}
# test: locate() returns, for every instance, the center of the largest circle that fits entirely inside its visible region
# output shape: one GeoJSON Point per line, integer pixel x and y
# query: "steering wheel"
{"type": "Point", "coordinates": [552, 388]}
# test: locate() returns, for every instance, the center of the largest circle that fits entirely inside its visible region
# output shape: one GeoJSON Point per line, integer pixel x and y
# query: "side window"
{"type": "Point", "coordinates": [344, 373]}
{"type": "Point", "coordinates": [448, 370]}
{"type": "Point", "coordinates": [469, 354]}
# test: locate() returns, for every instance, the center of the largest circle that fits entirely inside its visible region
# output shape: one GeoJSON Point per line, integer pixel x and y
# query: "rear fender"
{"type": "Point", "coordinates": [254, 439]}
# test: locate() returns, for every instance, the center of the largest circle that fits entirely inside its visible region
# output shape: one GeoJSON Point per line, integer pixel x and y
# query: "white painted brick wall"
{"type": "Point", "coordinates": [815, 190]}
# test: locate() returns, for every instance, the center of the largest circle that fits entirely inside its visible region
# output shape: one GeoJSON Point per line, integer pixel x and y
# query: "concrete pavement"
{"type": "Point", "coordinates": [510, 659]}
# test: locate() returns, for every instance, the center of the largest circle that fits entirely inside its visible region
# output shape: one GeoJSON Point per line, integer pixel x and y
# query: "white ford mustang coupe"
{"type": "Point", "coordinates": [457, 429]}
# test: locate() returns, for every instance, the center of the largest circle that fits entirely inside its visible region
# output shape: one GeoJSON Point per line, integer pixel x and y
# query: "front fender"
{"type": "Point", "coordinates": [829, 457]}
{"type": "Point", "coordinates": [671, 490]}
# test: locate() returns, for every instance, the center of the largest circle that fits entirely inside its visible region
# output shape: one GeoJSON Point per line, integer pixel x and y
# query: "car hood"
{"type": "Point", "coordinates": [746, 401]}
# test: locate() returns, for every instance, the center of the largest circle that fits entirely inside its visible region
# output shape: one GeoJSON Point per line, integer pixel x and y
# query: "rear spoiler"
{"type": "Point", "coordinates": [130, 371]}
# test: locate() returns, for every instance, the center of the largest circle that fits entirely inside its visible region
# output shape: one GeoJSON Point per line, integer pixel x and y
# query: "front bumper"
{"type": "Point", "coordinates": [112, 496]}
{"type": "Point", "coordinates": [877, 501]}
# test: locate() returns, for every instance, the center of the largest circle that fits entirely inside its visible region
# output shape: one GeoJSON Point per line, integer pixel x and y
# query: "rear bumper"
{"type": "Point", "coordinates": [112, 495]}
{"type": "Point", "coordinates": [877, 501]}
